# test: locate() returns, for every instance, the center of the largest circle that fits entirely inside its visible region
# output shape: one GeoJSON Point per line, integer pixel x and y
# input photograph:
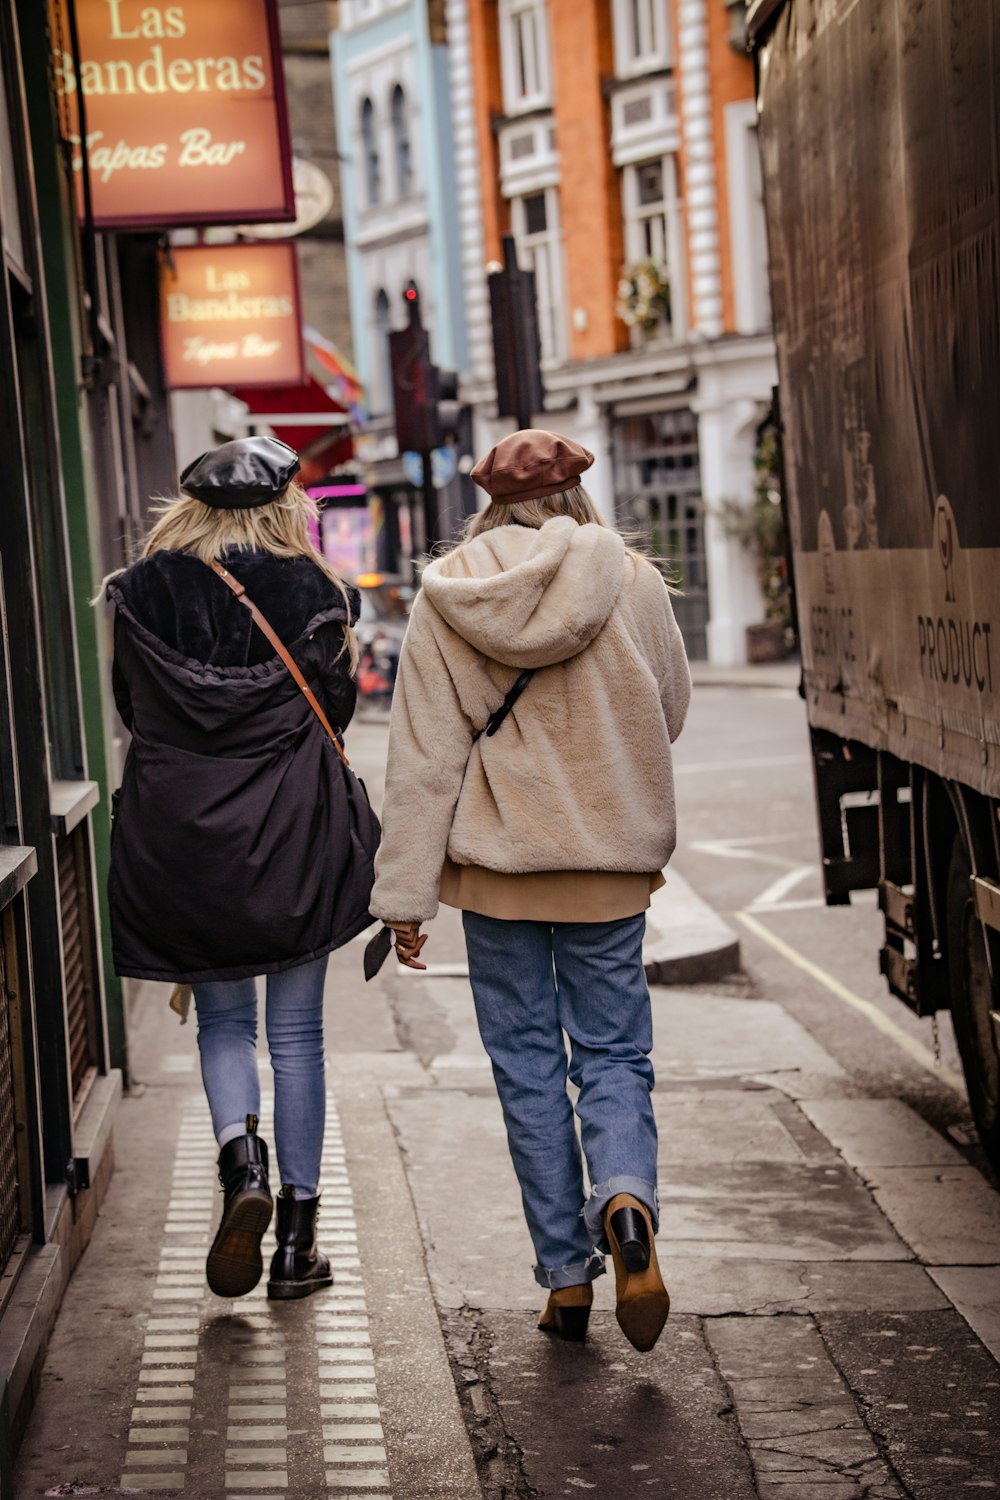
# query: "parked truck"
{"type": "Point", "coordinates": [878, 132]}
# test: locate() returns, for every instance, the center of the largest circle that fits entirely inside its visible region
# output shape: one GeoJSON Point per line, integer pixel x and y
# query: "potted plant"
{"type": "Point", "coordinates": [760, 526]}
{"type": "Point", "coordinates": [644, 297]}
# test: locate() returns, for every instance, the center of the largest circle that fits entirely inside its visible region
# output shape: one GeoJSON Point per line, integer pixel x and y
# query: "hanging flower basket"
{"type": "Point", "coordinates": [644, 295]}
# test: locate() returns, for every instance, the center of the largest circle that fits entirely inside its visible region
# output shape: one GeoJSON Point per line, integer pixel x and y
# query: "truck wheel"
{"type": "Point", "coordinates": [972, 998]}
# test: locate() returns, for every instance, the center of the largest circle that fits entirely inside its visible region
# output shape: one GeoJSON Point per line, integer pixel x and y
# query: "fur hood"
{"type": "Point", "coordinates": [530, 598]}
{"type": "Point", "coordinates": [580, 776]}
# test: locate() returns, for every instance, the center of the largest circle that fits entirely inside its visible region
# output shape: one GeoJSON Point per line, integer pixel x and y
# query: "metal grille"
{"type": "Point", "coordinates": [69, 855]}
{"type": "Point", "coordinates": [658, 482]}
{"type": "Point", "coordinates": [10, 1212]}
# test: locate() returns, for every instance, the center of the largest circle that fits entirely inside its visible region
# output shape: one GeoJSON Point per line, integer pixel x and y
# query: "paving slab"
{"type": "Point", "coordinates": [797, 1415]}
{"type": "Point", "coordinates": [880, 1133]}
{"type": "Point", "coordinates": [600, 1420]}
{"type": "Point", "coordinates": [712, 1036]}
{"type": "Point", "coordinates": [930, 1392]}
{"type": "Point", "coordinates": [775, 1211]}
{"type": "Point", "coordinates": [455, 1150]}
{"type": "Point", "coordinates": [724, 1125]}
{"type": "Point", "coordinates": [975, 1291]}
{"type": "Point", "coordinates": [712, 1287]}
{"type": "Point", "coordinates": [948, 1215]}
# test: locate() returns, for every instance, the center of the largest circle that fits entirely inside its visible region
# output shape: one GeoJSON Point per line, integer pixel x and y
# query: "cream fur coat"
{"type": "Point", "coordinates": [579, 777]}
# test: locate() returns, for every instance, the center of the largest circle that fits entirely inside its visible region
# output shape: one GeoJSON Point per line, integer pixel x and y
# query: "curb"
{"type": "Point", "coordinates": [779, 675]}
{"type": "Point", "coordinates": [687, 942]}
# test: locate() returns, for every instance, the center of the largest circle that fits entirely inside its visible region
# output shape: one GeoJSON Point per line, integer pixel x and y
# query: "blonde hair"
{"type": "Point", "coordinates": [574, 502]}
{"type": "Point", "coordinates": [183, 524]}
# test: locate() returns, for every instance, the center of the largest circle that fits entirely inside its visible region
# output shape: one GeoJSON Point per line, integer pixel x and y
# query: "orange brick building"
{"type": "Point", "coordinates": [613, 137]}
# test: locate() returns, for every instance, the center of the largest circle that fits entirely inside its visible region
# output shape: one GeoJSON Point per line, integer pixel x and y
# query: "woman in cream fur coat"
{"type": "Point", "coordinates": [549, 834]}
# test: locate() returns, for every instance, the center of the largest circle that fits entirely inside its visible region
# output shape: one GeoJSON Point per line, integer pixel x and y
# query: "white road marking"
{"type": "Point", "coordinates": [778, 889]}
{"type": "Point", "coordinates": [914, 1049]}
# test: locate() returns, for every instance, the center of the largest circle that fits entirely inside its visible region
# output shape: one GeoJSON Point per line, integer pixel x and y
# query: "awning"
{"type": "Point", "coordinates": [308, 420]}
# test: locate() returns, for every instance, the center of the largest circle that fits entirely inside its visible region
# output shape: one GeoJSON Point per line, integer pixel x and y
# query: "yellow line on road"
{"type": "Point", "coordinates": [871, 1012]}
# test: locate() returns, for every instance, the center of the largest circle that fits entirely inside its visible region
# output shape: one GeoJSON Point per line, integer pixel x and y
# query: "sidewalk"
{"type": "Point", "coordinates": [834, 1265]}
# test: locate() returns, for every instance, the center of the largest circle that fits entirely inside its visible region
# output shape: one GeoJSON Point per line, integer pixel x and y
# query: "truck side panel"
{"type": "Point", "coordinates": [885, 252]}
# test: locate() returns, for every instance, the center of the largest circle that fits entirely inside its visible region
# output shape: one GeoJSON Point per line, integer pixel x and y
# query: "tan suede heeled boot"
{"type": "Point", "coordinates": [567, 1312]}
{"type": "Point", "coordinates": [642, 1303]}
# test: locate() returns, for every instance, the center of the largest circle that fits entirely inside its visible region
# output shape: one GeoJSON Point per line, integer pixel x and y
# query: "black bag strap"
{"type": "Point", "coordinates": [498, 715]}
{"type": "Point", "coordinates": [283, 652]}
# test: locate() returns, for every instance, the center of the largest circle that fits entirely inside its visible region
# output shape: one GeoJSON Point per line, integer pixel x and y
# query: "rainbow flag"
{"type": "Point", "coordinates": [345, 380]}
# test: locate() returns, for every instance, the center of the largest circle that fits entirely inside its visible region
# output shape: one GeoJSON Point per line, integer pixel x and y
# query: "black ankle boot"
{"type": "Point", "coordinates": [297, 1267]}
{"type": "Point", "coordinates": [234, 1264]}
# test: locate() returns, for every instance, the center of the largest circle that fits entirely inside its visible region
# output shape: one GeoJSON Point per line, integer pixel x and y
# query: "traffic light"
{"type": "Point", "coordinates": [448, 411]}
{"type": "Point", "coordinates": [414, 381]}
{"type": "Point", "coordinates": [516, 348]}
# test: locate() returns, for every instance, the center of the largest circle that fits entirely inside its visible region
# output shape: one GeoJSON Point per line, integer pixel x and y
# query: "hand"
{"type": "Point", "coordinates": [409, 943]}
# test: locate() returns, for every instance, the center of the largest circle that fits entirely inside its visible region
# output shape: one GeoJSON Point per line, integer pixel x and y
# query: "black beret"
{"type": "Point", "coordinates": [241, 474]}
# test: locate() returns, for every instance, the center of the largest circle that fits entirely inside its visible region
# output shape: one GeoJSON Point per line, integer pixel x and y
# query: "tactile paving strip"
{"type": "Point", "coordinates": [258, 1412]}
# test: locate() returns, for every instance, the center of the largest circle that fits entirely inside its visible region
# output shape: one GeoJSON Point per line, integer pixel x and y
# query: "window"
{"type": "Point", "coordinates": [369, 145]}
{"type": "Point", "coordinates": [401, 143]}
{"type": "Point", "coordinates": [536, 231]}
{"type": "Point", "coordinates": [642, 36]}
{"type": "Point", "coordinates": [653, 225]}
{"type": "Point", "coordinates": [381, 363]}
{"type": "Point", "coordinates": [524, 54]}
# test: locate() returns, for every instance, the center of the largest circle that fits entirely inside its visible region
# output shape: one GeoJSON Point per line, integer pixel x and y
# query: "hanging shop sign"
{"type": "Point", "coordinates": [230, 316]}
{"type": "Point", "coordinates": [185, 111]}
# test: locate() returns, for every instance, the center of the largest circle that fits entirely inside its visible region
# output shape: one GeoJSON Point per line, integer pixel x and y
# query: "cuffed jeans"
{"type": "Point", "coordinates": [227, 1040]}
{"type": "Point", "coordinates": [533, 982]}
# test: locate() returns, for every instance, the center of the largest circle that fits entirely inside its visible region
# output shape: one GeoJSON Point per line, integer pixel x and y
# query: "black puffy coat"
{"type": "Point", "coordinates": [232, 834]}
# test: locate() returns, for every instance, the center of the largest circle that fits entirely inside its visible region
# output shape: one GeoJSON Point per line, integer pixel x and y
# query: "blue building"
{"type": "Point", "coordinates": [393, 102]}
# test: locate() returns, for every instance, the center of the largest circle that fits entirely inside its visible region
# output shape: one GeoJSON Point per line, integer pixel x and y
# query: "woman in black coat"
{"type": "Point", "coordinates": [232, 832]}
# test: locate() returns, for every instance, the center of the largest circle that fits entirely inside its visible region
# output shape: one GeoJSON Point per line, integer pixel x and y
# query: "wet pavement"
{"type": "Point", "coordinates": [831, 1246]}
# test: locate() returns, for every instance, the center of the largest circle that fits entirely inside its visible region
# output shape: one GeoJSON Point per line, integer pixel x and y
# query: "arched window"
{"type": "Point", "coordinates": [401, 141]}
{"type": "Point", "coordinates": [381, 364]}
{"type": "Point", "coordinates": [373, 171]}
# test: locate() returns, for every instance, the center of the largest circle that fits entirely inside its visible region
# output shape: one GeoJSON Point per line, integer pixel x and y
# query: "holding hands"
{"type": "Point", "coordinates": [409, 942]}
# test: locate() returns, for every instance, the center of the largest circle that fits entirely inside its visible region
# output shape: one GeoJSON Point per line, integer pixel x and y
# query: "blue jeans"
{"type": "Point", "coordinates": [227, 1040]}
{"type": "Point", "coordinates": [533, 981]}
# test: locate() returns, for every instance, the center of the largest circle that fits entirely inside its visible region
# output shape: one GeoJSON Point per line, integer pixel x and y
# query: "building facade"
{"type": "Point", "coordinates": [85, 437]}
{"type": "Point", "coordinates": [392, 90]}
{"type": "Point", "coordinates": [615, 139]}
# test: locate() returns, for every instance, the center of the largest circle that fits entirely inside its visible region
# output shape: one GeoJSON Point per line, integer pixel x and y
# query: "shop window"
{"type": "Point", "coordinates": [401, 143]}
{"type": "Point", "coordinates": [369, 146]}
{"type": "Point", "coordinates": [524, 53]}
{"type": "Point", "coordinates": [642, 36]}
{"type": "Point", "coordinates": [535, 218]}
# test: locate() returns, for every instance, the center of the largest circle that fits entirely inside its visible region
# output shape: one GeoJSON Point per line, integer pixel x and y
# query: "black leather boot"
{"type": "Point", "coordinates": [297, 1267]}
{"type": "Point", "coordinates": [234, 1264]}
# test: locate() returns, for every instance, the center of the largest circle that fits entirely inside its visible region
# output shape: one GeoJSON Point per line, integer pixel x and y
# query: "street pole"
{"type": "Point", "coordinates": [430, 500]}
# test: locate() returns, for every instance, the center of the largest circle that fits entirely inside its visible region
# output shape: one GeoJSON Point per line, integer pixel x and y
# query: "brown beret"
{"type": "Point", "coordinates": [530, 464]}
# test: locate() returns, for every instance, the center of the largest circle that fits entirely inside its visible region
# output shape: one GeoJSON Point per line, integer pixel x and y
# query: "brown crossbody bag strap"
{"type": "Point", "coordinates": [283, 652]}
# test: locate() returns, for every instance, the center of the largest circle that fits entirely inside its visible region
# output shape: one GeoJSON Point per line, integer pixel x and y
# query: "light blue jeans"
{"type": "Point", "coordinates": [227, 1040]}
{"type": "Point", "coordinates": [533, 982]}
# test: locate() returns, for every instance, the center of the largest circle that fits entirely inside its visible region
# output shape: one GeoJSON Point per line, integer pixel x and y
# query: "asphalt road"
{"type": "Point", "coordinates": [748, 843]}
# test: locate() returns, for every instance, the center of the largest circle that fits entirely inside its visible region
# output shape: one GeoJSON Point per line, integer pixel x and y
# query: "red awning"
{"type": "Point", "coordinates": [321, 446]}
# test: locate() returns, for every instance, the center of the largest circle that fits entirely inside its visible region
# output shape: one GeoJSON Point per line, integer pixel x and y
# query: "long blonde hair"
{"type": "Point", "coordinates": [183, 524]}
